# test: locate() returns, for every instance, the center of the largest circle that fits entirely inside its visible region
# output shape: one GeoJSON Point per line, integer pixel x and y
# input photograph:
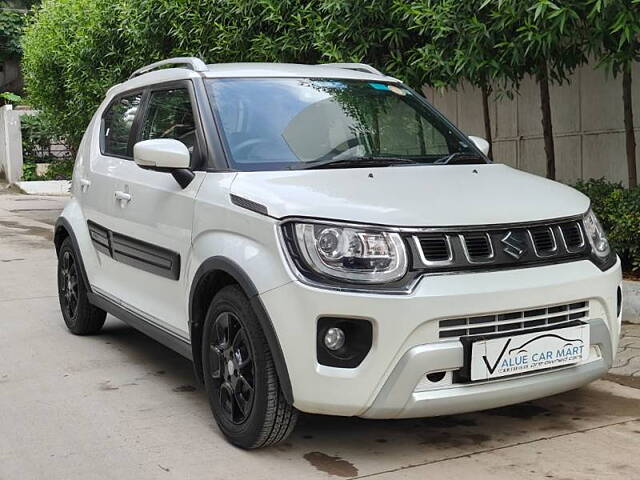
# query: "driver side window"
{"type": "Point", "coordinates": [170, 115]}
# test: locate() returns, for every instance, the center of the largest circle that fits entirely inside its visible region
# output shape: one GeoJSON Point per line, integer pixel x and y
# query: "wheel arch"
{"type": "Point", "coordinates": [62, 231]}
{"type": "Point", "coordinates": [214, 274]}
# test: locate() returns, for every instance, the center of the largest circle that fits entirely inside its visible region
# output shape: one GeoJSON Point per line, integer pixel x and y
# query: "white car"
{"type": "Point", "coordinates": [318, 238]}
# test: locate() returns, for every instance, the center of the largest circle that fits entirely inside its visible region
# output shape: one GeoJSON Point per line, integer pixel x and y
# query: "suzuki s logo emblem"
{"type": "Point", "coordinates": [513, 246]}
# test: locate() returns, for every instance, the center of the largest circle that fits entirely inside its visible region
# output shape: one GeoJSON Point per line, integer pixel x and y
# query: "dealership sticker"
{"type": "Point", "coordinates": [499, 357]}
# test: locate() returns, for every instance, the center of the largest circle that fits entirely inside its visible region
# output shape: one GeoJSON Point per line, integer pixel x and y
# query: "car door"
{"type": "Point", "coordinates": [106, 149]}
{"type": "Point", "coordinates": [153, 240]}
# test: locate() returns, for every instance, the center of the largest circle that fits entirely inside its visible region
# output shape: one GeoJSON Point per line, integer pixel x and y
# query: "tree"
{"type": "Point", "coordinates": [369, 32]}
{"type": "Point", "coordinates": [424, 42]}
{"type": "Point", "coordinates": [457, 42]}
{"type": "Point", "coordinates": [13, 18]}
{"type": "Point", "coordinates": [549, 44]}
{"type": "Point", "coordinates": [615, 39]}
{"type": "Point", "coordinates": [18, 4]}
{"type": "Point", "coordinates": [11, 25]}
{"type": "Point", "coordinates": [74, 50]}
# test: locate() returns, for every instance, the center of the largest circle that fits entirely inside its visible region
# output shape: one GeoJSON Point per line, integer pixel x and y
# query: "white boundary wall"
{"type": "Point", "coordinates": [11, 143]}
{"type": "Point", "coordinates": [587, 120]}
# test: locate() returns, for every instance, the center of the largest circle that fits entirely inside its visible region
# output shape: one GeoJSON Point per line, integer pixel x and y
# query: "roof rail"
{"type": "Point", "coordinates": [191, 63]}
{"type": "Point", "coordinates": [359, 67]}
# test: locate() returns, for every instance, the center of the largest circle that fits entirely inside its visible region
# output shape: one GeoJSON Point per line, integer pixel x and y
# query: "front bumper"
{"type": "Point", "coordinates": [406, 345]}
{"type": "Point", "coordinates": [399, 398]}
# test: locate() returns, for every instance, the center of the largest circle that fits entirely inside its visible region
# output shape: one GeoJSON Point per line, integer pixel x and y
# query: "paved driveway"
{"type": "Point", "coordinates": [119, 405]}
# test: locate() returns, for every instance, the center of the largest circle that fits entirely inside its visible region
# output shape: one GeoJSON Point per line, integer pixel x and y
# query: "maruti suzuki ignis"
{"type": "Point", "coordinates": [318, 238]}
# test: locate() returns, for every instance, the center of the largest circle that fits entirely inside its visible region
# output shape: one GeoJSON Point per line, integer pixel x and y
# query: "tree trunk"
{"type": "Point", "coordinates": [547, 128]}
{"type": "Point", "coordinates": [486, 91]}
{"type": "Point", "coordinates": [628, 127]}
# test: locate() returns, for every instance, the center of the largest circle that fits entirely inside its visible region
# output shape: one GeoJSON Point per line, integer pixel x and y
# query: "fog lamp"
{"type": "Point", "coordinates": [334, 339]}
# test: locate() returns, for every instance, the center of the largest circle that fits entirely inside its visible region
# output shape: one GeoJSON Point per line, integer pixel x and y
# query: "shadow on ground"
{"type": "Point", "coordinates": [322, 439]}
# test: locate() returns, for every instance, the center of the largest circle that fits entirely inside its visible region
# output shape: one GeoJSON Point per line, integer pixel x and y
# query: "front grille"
{"type": "Point", "coordinates": [468, 248]}
{"type": "Point", "coordinates": [477, 245]}
{"type": "Point", "coordinates": [513, 321]}
{"type": "Point", "coordinates": [434, 246]}
{"type": "Point", "coordinates": [543, 240]}
{"type": "Point", "coordinates": [572, 235]}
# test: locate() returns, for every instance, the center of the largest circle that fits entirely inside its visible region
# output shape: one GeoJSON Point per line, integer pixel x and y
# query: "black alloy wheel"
{"type": "Point", "coordinates": [231, 367]}
{"type": "Point", "coordinates": [240, 376]}
{"type": "Point", "coordinates": [79, 315]}
{"type": "Point", "coordinates": [68, 284]}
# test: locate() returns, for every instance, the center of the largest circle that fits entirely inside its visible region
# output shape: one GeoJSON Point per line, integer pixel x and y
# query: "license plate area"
{"type": "Point", "coordinates": [487, 357]}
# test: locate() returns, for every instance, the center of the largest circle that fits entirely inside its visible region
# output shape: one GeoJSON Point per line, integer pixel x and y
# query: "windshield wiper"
{"type": "Point", "coordinates": [358, 162]}
{"type": "Point", "coordinates": [460, 158]}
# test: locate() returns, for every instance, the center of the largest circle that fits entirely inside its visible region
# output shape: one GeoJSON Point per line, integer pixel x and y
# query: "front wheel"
{"type": "Point", "coordinates": [80, 316]}
{"type": "Point", "coordinates": [240, 376]}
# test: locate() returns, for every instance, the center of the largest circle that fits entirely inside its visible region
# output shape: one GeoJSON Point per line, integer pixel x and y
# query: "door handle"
{"type": "Point", "coordinates": [84, 184]}
{"type": "Point", "coordinates": [122, 197]}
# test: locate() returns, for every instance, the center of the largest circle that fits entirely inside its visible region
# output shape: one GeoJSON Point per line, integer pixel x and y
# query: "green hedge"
{"type": "Point", "coordinates": [74, 50]}
{"type": "Point", "coordinates": [619, 212]}
{"type": "Point", "coordinates": [11, 24]}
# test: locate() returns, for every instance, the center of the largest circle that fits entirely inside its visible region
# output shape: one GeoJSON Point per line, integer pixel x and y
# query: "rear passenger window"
{"type": "Point", "coordinates": [118, 121]}
{"type": "Point", "coordinates": [170, 115]}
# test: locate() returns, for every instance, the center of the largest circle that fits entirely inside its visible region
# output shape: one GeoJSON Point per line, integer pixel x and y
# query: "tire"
{"type": "Point", "coordinates": [81, 317]}
{"type": "Point", "coordinates": [240, 376]}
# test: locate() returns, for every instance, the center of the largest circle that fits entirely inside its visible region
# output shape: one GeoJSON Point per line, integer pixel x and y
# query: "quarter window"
{"type": "Point", "coordinates": [170, 115]}
{"type": "Point", "coordinates": [118, 121]}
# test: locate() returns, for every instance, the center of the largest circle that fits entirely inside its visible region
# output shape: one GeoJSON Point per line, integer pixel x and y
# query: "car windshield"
{"type": "Point", "coordinates": [280, 123]}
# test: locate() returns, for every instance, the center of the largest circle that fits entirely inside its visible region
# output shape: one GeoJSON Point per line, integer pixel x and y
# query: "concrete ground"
{"type": "Point", "coordinates": [119, 405]}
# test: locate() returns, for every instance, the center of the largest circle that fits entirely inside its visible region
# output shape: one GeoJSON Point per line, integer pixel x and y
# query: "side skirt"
{"type": "Point", "coordinates": [160, 335]}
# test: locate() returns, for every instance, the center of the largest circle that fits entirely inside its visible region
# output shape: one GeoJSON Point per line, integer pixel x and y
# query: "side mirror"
{"type": "Point", "coordinates": [161, 153]}
{"type": "Point", "coordinates": [481, 143]}
{"type": "Point", "coordinates": [165, 154]}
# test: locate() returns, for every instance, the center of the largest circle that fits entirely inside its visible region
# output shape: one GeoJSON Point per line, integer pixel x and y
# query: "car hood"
{"type": "Point", "coordinates": [425, 195]}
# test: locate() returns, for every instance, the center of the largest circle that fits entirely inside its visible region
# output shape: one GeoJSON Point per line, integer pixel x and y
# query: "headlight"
{"type": "Point", "coordinates": [601, 253]}
{"type": "Point", "coordinates": [595, 234]}
{"type": "Point", "coordinates": [358, 255]}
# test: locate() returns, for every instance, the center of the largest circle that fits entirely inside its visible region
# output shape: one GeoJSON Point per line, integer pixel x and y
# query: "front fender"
{"type": "Point", "coordinates": [259, 255]}
{"type": "Point", "coordinates": [215, 266]}
{"type": "Point", "coordinates": [255, 263]}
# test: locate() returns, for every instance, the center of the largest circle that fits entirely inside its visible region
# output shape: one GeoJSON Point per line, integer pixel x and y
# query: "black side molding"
{"type": "Point", "coordinates": [136, 253]}
{"type": "Point", "coordinates": [99, 237]}
{"type": "Point", "coordinates": [229, 267]}
{"type": "Point", "coordinates": [168, 339]}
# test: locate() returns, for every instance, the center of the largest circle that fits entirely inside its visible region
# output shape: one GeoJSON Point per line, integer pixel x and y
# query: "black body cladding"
{"type": "Point", "coordinates": [136, 253]}
{"type": "Point", "coordinates": [249, 204]}
{"type": "Point", "coordinates": [358, 342]}
{"type": "Point", "coordinates": [197, 310]}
